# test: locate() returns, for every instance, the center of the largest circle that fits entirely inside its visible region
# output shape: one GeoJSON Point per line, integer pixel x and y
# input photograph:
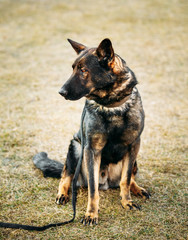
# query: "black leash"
{"type": "Point", "coordinates": [74, 194]}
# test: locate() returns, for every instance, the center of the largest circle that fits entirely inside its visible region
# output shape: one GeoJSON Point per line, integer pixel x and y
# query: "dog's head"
{"type": "Point", "coordinates": [95, 68]}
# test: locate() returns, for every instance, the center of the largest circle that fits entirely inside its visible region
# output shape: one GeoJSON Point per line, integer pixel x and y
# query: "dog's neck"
{"type": "Point", "coordinates": [116, 94]}
{"type": "Point", "coordinates": [124, 105]}
{"type": "Point", "coordinates": [118, 104]}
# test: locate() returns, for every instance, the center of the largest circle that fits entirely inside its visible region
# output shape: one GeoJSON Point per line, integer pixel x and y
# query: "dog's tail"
{"type": "Point", "coordinates": [50, 168]}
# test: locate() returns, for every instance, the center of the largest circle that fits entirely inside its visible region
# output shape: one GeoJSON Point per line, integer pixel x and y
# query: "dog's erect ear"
{"type": "Point", "coordinates": [78, 47]}
{"type": "Point", "coordinates": [105, 52]}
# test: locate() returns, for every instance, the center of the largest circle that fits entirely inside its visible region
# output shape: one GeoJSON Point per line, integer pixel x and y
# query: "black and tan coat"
{"type": "Point", "coordinates": [112, 126]}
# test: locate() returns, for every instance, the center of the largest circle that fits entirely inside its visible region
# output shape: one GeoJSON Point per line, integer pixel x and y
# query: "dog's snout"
{"type": "Point", "coordinates": [63, 92]}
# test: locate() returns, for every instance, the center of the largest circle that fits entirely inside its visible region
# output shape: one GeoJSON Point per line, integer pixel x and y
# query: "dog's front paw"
{"type": "Point", "coordinates": [90, 219]}
{"type": "Point", "coordinates": [62, 199]}
{"type": "Point", "coordinates": [130, 205]}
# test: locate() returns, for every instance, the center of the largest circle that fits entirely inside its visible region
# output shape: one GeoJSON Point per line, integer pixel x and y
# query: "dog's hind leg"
{"type": "Point", "coordinates": [68, 172]}
{"type": "Point", "coordinates": [139, 191]}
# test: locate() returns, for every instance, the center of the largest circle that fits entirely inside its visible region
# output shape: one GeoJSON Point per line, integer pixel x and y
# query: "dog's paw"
{"type": "Point", "coordinates": [130, 205]}
{"type": "Point", "coordinates": [62, 199]}
{"type": "Point", "coordinates": [143, 193]}
{"type": "Point", "coordinates": [89, 220]}
{"type": "Point", "coordinates": [140, 192]}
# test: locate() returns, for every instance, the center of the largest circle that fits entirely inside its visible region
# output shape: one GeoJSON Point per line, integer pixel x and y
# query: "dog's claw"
{"type": "Point", "coordinates": [129, 205]}
{"type": "Point", "coordinates": [89, 221]}
{"type": "Point", "coordinates": [137, 206]}
{"type": "Point", "coordinates": [145, 194]}
{"type": "Point", "coordinates": [62, 200]}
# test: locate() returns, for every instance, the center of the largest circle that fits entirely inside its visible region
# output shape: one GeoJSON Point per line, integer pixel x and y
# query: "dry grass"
{"type": "Point", "coordinates": [35, 61]}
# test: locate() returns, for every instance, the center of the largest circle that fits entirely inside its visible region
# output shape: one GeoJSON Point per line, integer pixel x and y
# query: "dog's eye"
{"type": "Point", "coordinates": [83, 70]}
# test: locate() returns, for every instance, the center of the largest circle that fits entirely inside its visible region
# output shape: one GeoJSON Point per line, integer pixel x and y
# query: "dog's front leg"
{"type": "Point", "coordinates": [125, 183]}
{"type": "Point", "coordinates": [92, 161]}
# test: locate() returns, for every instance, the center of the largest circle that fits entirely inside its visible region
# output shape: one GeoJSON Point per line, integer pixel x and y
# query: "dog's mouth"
{"type": "Point", "coordinates": [66, 97]}
{"type": "Point", "coordinates": [72, 97]}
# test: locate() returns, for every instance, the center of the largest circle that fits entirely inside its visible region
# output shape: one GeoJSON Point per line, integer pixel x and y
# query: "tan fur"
{"type": "Point", "coordinates": [64, 186]}
{"type": "Point", "coordinates": [137, 190]}
{"type": "Point", "coordinates": [117, 65]}
{"type": "Point", "coordinates": [98, 141]}
{"type": "Point", "coordinates": [124, 188]}
{"type": "Point", "coordinates": [114, 172]}
{"type": "Point", "coordinates": [93, 201]}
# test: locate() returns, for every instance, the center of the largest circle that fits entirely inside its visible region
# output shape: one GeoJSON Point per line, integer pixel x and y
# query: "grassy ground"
{"type": "Point", "coordinates": [35, 60]}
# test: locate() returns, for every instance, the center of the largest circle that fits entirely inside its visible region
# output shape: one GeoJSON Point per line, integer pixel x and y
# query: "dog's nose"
{"type": "Point", "coordinates": [63, 92]}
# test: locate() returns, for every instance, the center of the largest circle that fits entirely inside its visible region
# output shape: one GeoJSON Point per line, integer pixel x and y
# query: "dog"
{"type": "Point", "coordinates": [112, 127]}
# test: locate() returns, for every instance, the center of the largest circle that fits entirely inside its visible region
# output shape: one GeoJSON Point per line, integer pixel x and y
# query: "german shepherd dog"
{"type": "Point", "coordinates": [109, 137]}
{"type": "Point", "coordinates": [113, 123]}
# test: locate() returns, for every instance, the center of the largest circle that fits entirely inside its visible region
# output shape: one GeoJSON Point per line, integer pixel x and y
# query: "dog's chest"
{"type": "Point", "coordinates": [118, 126]}
{"type": "Point", "coordinates": [114, 125]}
{"type": "Point", "coordinates": [118, 136]}
{"type": "Point", "coordinates": [114, 122]}
{"type": "Point", "coordinates": [123, 129]}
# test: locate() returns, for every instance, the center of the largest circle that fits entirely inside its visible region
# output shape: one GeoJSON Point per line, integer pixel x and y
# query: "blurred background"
{"type": "Point", "coordinates": [35, 61]}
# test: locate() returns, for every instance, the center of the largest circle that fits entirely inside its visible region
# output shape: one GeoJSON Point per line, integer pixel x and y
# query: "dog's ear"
{"type": "Point", "coordinates": [78, 47]}
{"type": "Point", "coordinates": [105, 52]}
